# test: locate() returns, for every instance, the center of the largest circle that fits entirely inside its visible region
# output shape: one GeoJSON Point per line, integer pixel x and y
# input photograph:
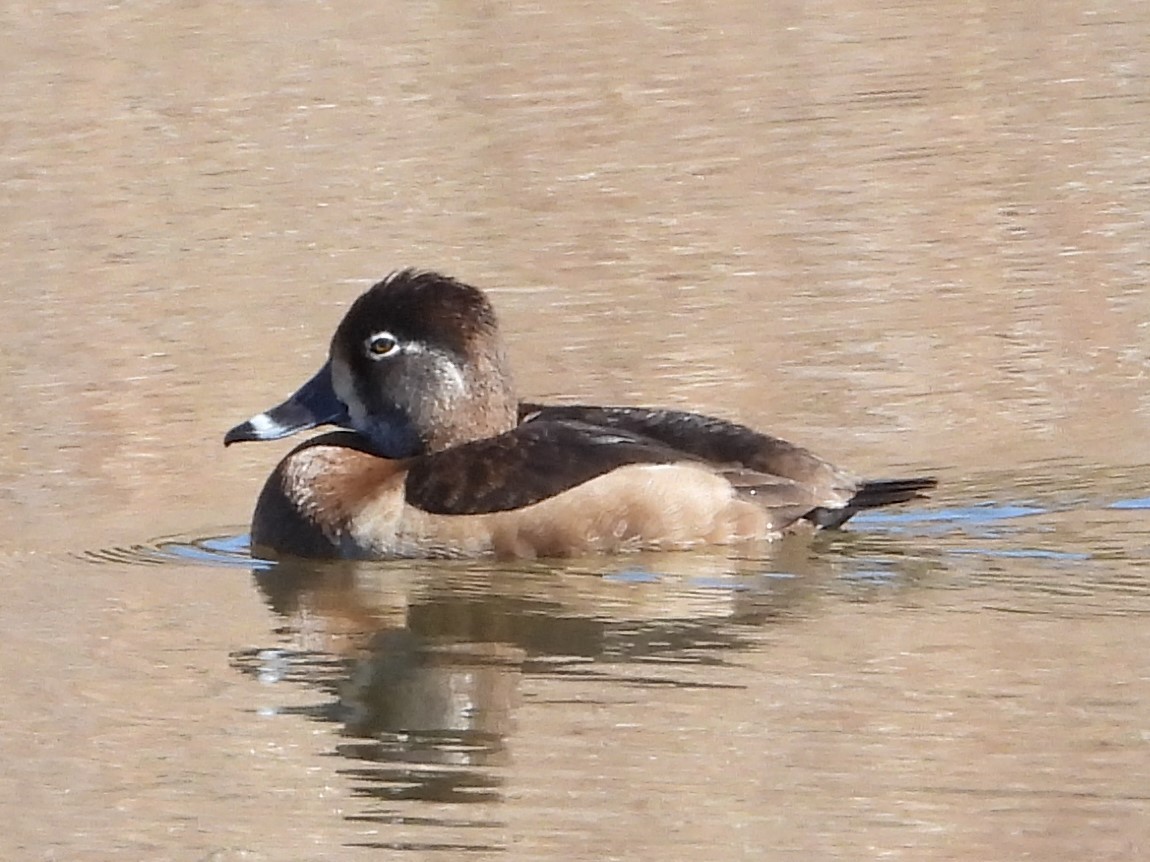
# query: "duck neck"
{"type": "Point", "coordinates": [483, 405]}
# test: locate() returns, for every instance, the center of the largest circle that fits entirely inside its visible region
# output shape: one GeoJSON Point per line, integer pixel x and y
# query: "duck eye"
{"type": "Point", "coordinates": [381, 345]}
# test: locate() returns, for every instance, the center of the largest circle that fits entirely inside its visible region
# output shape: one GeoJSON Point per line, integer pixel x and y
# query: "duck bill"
{"type": "Point", "coordinates": [314, 404]}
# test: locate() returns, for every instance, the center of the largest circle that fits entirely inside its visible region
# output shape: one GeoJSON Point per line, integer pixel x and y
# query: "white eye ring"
{"type": "Point", "coordinates": [381, 345]}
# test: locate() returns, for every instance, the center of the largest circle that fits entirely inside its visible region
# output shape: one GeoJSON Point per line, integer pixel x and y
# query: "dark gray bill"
{"type": "Point", "coordinates": [312, 405]}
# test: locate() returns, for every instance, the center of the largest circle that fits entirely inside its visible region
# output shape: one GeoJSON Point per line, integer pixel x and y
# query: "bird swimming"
{"type": "Point", "coordinates": [437, 457]}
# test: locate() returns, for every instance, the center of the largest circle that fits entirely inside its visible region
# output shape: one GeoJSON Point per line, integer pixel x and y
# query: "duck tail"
{"type": "Point", "coordinates": [870, 495]}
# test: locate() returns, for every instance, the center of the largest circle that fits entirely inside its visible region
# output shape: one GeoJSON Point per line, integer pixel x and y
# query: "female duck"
{"type": "Point", "coordinates": [443, 460]}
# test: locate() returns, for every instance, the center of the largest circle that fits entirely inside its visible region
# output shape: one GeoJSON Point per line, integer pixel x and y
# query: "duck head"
{"type": "Point", "coordinates": [415, 366]}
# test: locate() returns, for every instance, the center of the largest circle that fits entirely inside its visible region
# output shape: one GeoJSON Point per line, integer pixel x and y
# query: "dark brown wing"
{"type": "Point", "coordinates": [706, 438]}
{"type": "Point", "coordinates": [535, 461]}
{"type": "Point", "coordinates": [836, 494]}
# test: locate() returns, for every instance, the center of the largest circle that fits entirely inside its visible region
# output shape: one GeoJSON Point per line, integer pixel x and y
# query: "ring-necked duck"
{"type": "Point", "coordinates": [443, 460]}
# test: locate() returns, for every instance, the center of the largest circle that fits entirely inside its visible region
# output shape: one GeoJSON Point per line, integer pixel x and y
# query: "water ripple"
{"type": "Point", "coordinates": [226, 551]}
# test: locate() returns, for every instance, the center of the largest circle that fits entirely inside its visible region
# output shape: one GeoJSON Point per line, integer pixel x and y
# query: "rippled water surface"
{"type": "Point", "coordinates": [911, 237]}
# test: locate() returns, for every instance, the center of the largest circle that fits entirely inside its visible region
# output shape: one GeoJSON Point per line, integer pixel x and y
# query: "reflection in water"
{"type": "Point", "coordinates": [458, 706]}
{"type": "Point", "coordinates": [423, 664]}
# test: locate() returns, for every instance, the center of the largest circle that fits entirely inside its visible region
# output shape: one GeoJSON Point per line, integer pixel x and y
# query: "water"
{"type": "Point", "coordinates": [913, 239]}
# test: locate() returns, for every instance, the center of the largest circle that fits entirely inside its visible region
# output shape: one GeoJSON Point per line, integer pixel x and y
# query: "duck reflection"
{"type": "Point", "coordinates": [425, 663]}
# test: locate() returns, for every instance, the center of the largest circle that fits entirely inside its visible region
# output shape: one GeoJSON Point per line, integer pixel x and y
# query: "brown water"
{"type": "Point", "coordinates": [913, 237]}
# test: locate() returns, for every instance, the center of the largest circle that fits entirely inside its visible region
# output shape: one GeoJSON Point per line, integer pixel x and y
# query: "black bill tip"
{"type": "Point", "coordinates": [263, 427]}
{"type": "Point", "coordinates": [313, 405]}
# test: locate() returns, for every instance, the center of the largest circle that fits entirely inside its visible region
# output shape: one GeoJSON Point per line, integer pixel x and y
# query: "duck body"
{"type": "Point", "coordinates": [442, 460]}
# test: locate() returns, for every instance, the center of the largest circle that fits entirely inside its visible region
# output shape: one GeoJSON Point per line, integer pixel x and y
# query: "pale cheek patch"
{"type": "Point", "coordinates": [448, 373]}
{"type": "Point", "coordinates": [341, 382]}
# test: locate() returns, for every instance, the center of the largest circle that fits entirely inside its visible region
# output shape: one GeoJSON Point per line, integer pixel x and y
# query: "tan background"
{"type": "Point", "coordinates": [911, 236]}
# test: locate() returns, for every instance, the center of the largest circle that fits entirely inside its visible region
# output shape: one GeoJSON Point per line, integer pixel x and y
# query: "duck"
{"type": "Point", "coordinates": [433, 455]}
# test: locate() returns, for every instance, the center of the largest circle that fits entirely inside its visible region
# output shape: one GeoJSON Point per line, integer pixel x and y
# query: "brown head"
{"type": "Point", "coordinates": [415, 366]}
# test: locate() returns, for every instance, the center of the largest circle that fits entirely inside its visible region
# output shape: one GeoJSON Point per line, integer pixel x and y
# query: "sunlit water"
{"type": "Point", "coordinates": [913, 239]}
{"type": "Point", "coordinates": [957, 679]}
